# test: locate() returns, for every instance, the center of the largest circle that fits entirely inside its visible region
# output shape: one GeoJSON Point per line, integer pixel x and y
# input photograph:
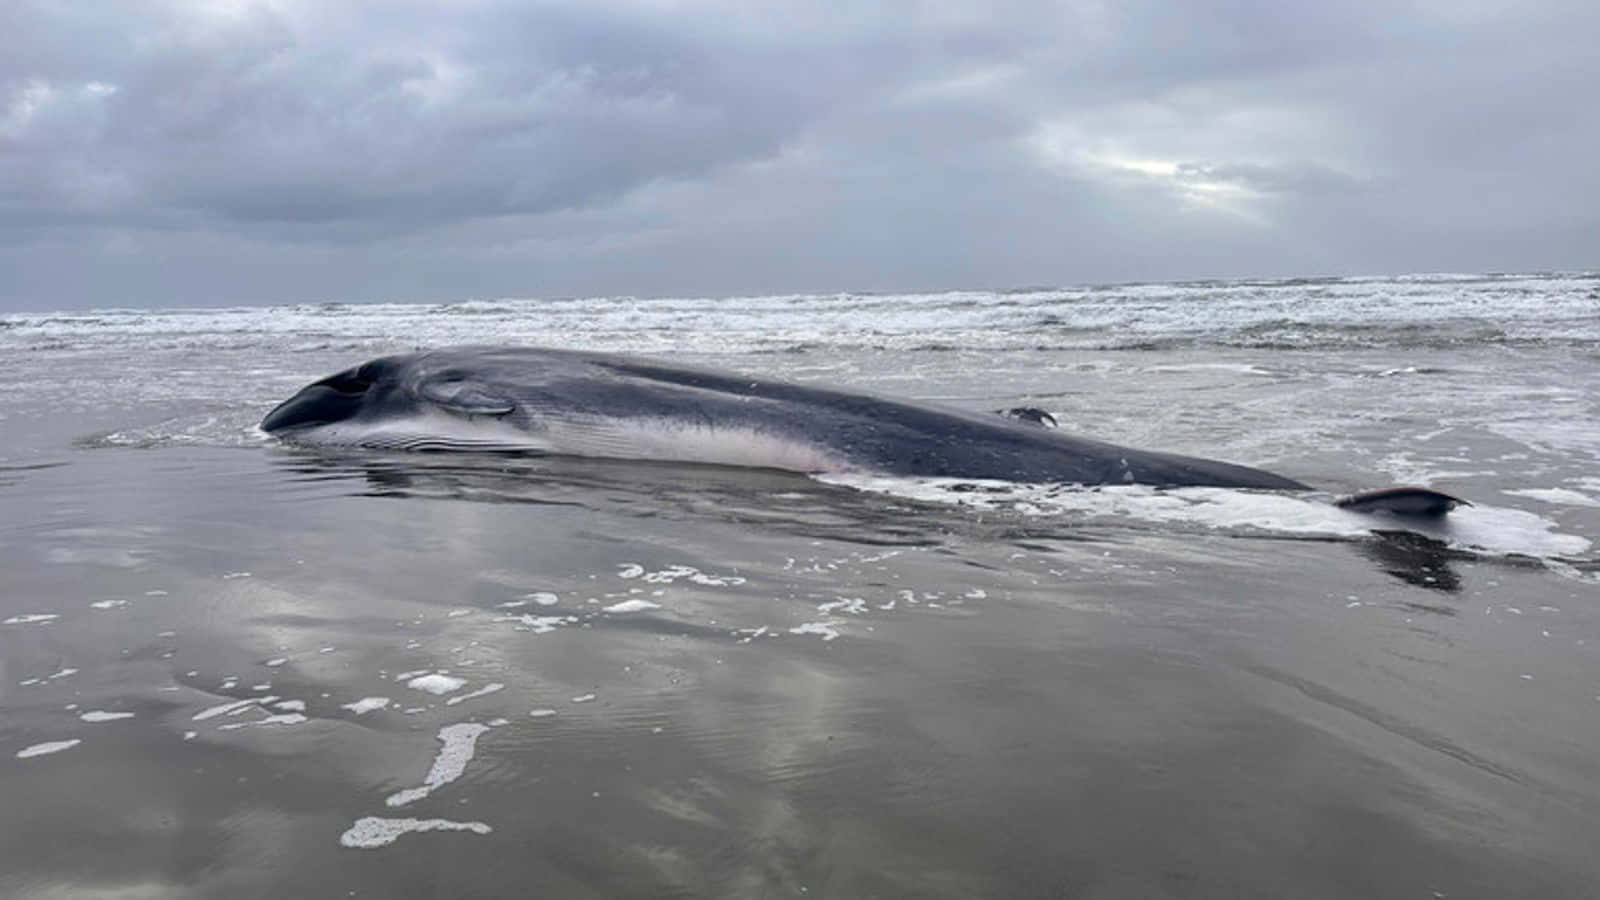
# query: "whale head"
{"type": "Point", "coordinates": [363, 392]}
{"type": "Point", "coordinates": [549, 401]}
{"type": "Point", "coordinates": [409, 402]}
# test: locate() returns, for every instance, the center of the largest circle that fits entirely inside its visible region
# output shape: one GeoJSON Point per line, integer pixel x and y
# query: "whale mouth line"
{"type": "Point", "coordinates": [318, 436]}
{"type": "Point", "coordinates": [648, 438]}
{"type": "Point", "coordinates": [427, 444]}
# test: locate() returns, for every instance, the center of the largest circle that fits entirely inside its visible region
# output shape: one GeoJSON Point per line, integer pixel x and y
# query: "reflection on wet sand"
{"type": "Point", "coordinates": [1416, 560]}
{"type": "Point", "coordinates": [433, 676]}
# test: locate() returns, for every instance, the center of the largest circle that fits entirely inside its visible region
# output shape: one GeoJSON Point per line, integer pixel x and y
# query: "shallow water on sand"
{"type": "Point", "coordinates": [230, 669]}
{"type": "Point", "coordinates": [731, 683]}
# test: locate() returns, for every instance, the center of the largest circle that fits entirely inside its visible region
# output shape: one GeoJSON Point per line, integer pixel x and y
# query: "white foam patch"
{"type": "Point", "coordinates": [1235, 368]}
{"type": "Point", "coordinates": [366, 705]}
{"type": "Point", "coordinates": [108, 604]}
{"type": "Point", "coordinates": [95, 715]}
{"type": "Point", "coordinates": [290, 705]}
{"type": "Point", "coordinates": [473, 695]}
{"type": "Point", "coordinates": [1483, 528]}
{"type": "Point", "coordinates": [543, 598]}
{"type": "Point", "coordinates": [1501, 530]}
{"type": "Point", "coordinates": [31, 619]}
{"type": "Point", "coordinates": [374, 831]}
{"type": "Point", "coordinates": [460, 741]}
{"type": "Point", "coordinates": [437, 683]}
{"type": "Point", "coordinates": [674, 573]}
{"type": "Point", "coordinates": [541, 713]}
{"type": "Point", "coordinates": [1557, 496]}
{"type": "Point", "coordinates": [47, 748]}
{"type": "Point", "coordinates": [824, 629]}
{"type": "Point", "coordinates": [267, 722]}
{"type": "Point", "coordinates": [224, 709]}
{"type": "Point", "coordinates": [538, 624]}
{"type": "Point", "coordinates": [628, 606]}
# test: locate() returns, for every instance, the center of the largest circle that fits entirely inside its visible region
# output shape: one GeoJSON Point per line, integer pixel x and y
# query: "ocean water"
{"type": "Point", "coordinates": [230, 668]}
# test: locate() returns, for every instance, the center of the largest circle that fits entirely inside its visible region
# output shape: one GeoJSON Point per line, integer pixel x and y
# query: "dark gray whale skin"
{"type": "Point", "coordinates": [545, 392]}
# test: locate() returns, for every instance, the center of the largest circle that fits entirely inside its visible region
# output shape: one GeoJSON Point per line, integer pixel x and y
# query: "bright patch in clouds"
{"type": "Point", "coordinates": [1187, 184]}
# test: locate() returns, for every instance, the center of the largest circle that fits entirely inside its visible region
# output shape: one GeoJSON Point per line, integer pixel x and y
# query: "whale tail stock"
{"type": "Point", "coordinates": [1406, 500]}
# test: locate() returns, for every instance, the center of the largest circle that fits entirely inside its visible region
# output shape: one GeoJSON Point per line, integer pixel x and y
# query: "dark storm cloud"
{"type": "Point", "coordinates": [256, 115]}
{"type": "Point", "coordinates": [205, 152]}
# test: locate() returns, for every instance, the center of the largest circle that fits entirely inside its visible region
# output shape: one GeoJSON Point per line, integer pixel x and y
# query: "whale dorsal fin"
{"type": "Point", "coordinates": [1405, 500]}
{"type": "Point", "coordinates": [466, 397]}
{"type": "Point", "coordinates": [1031, 415]}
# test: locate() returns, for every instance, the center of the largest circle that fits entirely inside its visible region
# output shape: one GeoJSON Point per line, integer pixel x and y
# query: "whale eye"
{"type": "Point", "coordinates": [352, 381]}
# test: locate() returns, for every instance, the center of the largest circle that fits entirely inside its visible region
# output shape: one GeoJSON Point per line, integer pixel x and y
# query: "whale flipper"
{"type": "Point", "coordinates": [1405, 500]}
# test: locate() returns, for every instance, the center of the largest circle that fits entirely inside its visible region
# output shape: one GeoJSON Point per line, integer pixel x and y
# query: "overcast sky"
{"type": "Point", "coordinates": [216, 153]}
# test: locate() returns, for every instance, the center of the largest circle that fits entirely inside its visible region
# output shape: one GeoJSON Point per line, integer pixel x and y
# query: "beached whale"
{"type": "Point", "coordinates": [594, 404]}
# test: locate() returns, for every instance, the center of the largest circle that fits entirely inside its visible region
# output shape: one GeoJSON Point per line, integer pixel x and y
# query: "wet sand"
{"type": "Point", "coordinates": [612, 679]}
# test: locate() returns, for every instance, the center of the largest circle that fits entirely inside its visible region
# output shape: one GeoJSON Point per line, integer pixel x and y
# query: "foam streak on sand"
{"type": "Point", "coordinates": [47, 747]}
{"type": "Point", "coordinates": [473, 695]}
{"type": "Point", "coordinates": [281, 719]}
{"type": "Point", "coordinates": [628, 606]}
{"type": "Point", "coordinates": [375, 831]}
{"type": "Point", "coordinates": [223, 709]}
{"type": "Point", "coordinates": [824, 629]}
{"type": "Point", "coordinates": [460, 740]}
{"type": "Point", "coordinates": [436, 683]}
{"type": "Point", "coordinates": [672, 573]}
{"type": "Point", "coordinates": [538, 624]}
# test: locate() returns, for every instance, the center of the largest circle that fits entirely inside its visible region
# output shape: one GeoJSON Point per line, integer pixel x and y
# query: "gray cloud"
{"type": "Point", "coordinates": [200, 153]}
